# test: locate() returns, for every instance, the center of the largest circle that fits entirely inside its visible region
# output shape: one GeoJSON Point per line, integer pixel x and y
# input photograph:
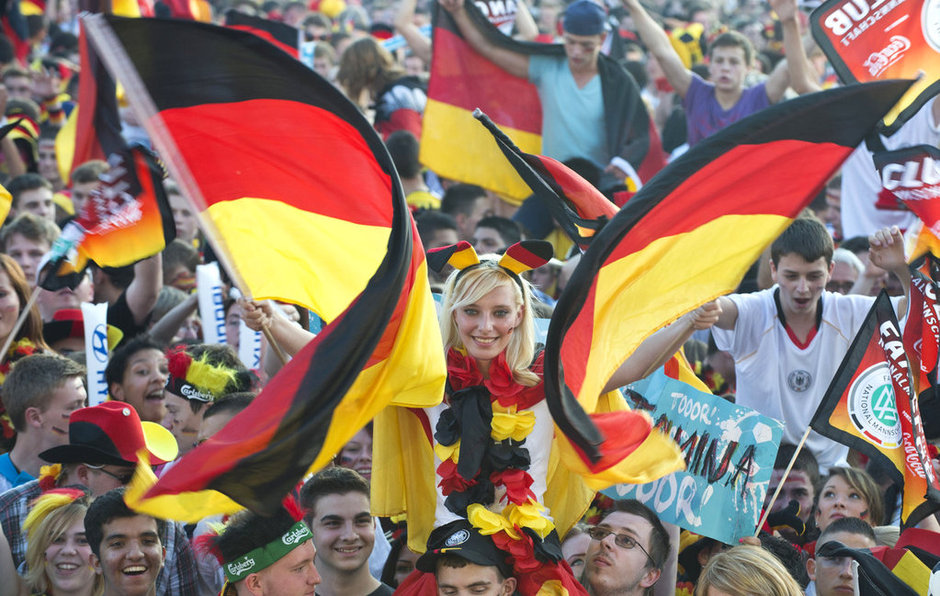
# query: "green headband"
{"type": "Point", "coordinates": [267, 555]}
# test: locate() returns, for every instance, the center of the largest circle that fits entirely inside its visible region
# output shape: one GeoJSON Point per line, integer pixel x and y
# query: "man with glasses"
{"type": "Point", "coordinates": [101, 455]}
{"type": "Point", "coordinates": [627, 553]}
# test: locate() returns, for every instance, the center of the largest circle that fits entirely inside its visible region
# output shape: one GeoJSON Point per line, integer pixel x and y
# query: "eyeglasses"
{"type": "Point", "coordinates": [124, 478]}
{"type": "Point", "coordinates": [624, 541]}
{"type": "Point", "coordinates": [833, 562]}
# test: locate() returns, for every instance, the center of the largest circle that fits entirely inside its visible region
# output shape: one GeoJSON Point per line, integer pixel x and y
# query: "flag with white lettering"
{"type": "Point", "coordinates": [871, 40]}
{"type": "Point", "coordinates": [95, 320]}
{"type": "Point", "coordinates": [729, 453]}
{"type": "Point", "coordinates": [912, 176]}
{"type": "Point", "coordinates": [922, 329]}
{"type": "Point", "coordinates": [871, 407]}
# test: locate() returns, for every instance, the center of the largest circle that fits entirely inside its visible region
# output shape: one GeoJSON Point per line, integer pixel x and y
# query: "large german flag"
{"type": "Point", "coordinates": [689, 235]}
{"type": "Point", "coordinates": [455, 146]}
{"type": "Point", "coordinates": [283, 178]}
{"type": "Point", "coordinates": [303, 200]}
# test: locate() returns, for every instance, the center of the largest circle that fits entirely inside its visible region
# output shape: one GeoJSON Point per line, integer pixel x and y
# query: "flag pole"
{"type": "Point", "coordinates": [19, 323]}
{"type": "Point", "coordinates": [782, 480]}
{"type": "Point", "coordinates": [117, 62]}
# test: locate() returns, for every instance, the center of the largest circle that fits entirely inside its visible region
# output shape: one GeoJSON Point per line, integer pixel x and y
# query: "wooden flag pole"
{"type": "Point", "coordinates": [782, 480]}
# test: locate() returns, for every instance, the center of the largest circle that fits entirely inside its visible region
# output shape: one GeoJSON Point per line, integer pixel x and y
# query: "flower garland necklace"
{"type": "Point", "coordinates": [480, 441]}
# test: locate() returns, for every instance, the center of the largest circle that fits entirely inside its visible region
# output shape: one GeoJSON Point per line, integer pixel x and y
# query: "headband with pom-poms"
{"type": "Point", "coordinates": [520, 257]}
{"type": "Point", "coordinates": [196, 378]}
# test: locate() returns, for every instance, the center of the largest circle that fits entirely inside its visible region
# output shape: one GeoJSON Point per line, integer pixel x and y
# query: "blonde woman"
{"type": "Point", "coordinates": [57, 553]}
{"type": "Point", "coordinates": [746, 571]}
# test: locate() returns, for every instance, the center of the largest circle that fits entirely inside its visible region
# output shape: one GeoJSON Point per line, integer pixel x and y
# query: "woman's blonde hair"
{"type": "Point", "coordinates": [48, 522]}
{"type": "Point", "coordinates": [467, 286]}
{"type": "Point", "coordinates": [747, 571]}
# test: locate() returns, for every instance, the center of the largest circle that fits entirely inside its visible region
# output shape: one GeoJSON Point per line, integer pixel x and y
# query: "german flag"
{"type": "Point", "coordinates": [453, 145]}
{"type": "Point", "coordinates": [871, 407]}
{"type": "Point", "coordinates": [280, 34]}
{"type": "Point", "coordinates": [579, 208]}
{"type": "Point", "coordinates": [302, 199]}
{"type": "Point", "coordinates": [689, 235]}
{"type": "Point", "coordinates": [93, 129]}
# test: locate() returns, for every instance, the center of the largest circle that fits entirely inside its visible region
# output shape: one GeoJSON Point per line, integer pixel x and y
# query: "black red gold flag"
{"type": "Point", "coordinates": [868, 40]}
{"type": "Point", "coordinates": [280, 34]}
{"type": "Point", "coordinates": [871, 407]}
{"type": "Point", "coordinates": [300, 199]}
{"type": "Point", "coordinates": [126, 218]}
{"type": "Point", "coordinates": [93, 129]}
{"type": "Point", "coordinates": [579, 208]}
{"type": "Point", "coordinates": [454, 145]}
{"type": "Point", "coordinates": [690, 234]}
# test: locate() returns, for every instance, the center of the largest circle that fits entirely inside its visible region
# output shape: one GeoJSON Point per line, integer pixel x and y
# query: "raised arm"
{"type": "Point", "coordinates": [512, 62]}
{"type": "Point", "coordinates": [887, 252]}
{"type": "Point", "coordinates": [656, 40]}
{"type": "Point", "coordinates": [660, 347]}
{"type": "Point", "coordinates": [526, 29]}
{"type": "Point", "coordinates": [799, 71]}
{"type": "Point", "coordinates": [405, 25]}
{"type": "Point", "coordinates": [143, 292]}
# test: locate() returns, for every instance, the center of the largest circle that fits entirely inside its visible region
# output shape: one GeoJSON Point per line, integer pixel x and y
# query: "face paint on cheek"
{"type": "Point", "coordinates": [863, 514]}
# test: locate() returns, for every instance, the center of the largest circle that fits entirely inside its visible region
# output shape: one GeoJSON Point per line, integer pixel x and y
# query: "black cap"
{"type": "Point", "coordinates": [460, 538]}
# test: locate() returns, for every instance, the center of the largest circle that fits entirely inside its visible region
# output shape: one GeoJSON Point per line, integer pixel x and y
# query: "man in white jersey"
{"type": "Point", "coordinates": [788, 341]}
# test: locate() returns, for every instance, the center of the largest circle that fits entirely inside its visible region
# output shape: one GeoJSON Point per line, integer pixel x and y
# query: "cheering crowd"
{"type": "Point", "coordinates": [624, 88]}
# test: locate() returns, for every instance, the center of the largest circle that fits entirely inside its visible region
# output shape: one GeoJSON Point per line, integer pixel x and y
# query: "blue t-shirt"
{"type": "Point", "coordinates": [572, 118]}
{"type": "Point", "coordinates": [10, 477]}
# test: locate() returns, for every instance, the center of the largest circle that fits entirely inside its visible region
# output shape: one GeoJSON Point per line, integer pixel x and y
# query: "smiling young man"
{"type": "Point", "coordinates": [336, 501]}
{"type": "Point", "coordinates": [627, 553]}
{"type": "Point", "coordinates": [267, 556]}
{"type": "Point", "coordinates": [125, 546]}
{"type": "Point", "coordinates": [788, 341]}
{"type": "Point", "coordinates": [39, 394]}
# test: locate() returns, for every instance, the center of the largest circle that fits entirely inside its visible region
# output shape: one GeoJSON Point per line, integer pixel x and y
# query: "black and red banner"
{"type": "Point", "coordinates": [872, 407]}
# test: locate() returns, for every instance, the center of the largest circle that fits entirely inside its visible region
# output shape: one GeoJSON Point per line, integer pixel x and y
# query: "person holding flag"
{"type": "Point", "coordinates": [493, 437]}
{"type": "Point", "coordinates": [591, 107]}
{"type": "Point", "coordinates": [787, 341]}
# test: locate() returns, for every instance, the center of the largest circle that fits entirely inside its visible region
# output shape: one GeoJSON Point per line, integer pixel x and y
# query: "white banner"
{"type": "Point", "coordinates": [95, 317]}
{"type": "Point", "coordinates": [211, 303]}
{"type": "Point", "coordinates": [249, 346]}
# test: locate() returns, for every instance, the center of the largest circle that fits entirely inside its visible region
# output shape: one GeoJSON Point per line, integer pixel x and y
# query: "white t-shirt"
{"type": "Point", "coordinates": [861, 184]}
{"type": "Point", "coordinates": [781, 380]}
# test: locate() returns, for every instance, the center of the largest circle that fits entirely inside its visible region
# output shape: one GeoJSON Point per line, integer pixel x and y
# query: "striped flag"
{"type": "Point", "coordinates": [689, 235]}
{"type": "Point", "coordinates": [301, 202]}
